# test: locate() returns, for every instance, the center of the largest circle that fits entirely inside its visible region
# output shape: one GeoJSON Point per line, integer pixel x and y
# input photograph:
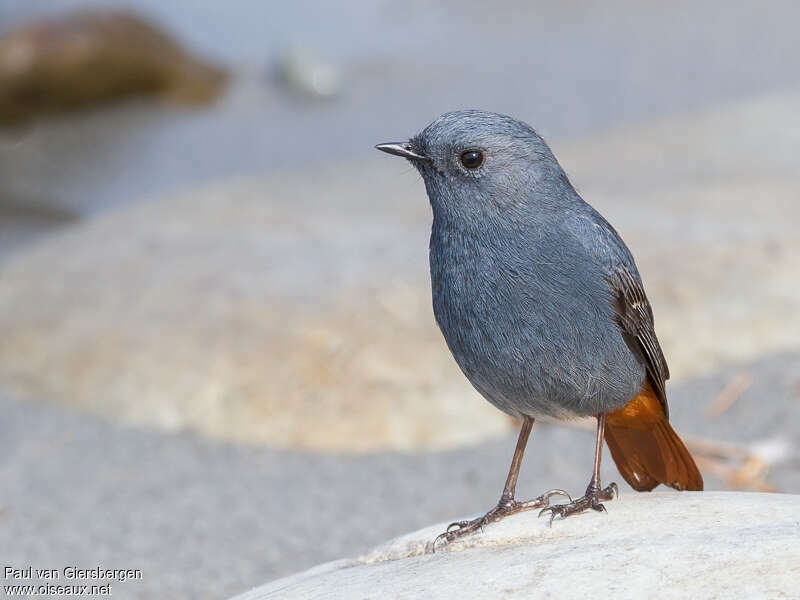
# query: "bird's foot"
{"type": "Point", "coordinates": [504, 508]}
{"type": "Point", "coordinates": [591, 499]}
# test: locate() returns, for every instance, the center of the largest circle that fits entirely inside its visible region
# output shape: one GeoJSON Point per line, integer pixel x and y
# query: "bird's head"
{"type": "Point", "coordinates": [482, 165]}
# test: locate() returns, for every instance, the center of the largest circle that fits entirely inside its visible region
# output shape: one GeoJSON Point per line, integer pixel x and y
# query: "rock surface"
{"type": "Point", "coordinates": [296, 311]}
{"type": "Point", "coordinates": [663, 545]}
{"type": "Point", "coordinates": [94, 56]}
{"type": "Point", "coordinates": [186, 503]}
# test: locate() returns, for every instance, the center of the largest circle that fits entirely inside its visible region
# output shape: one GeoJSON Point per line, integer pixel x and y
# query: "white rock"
{"type": "Point", "coordinates": [665, 545]}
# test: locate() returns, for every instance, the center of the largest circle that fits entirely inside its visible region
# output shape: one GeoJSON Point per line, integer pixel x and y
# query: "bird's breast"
{"type": "Point", "coordinates": [532, 330]}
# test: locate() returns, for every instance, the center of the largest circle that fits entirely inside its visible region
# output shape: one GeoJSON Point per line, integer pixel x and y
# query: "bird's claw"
{"type": "Point", "coordinates": [615, 488]}
{"type": "Point", "coordinates": [456, 525]}
{"type": "Point", "coordinates": [441, 536]}
{"type": "Point", "coordinates": [550, 493]}
{"type": "Point", "coordinates": [590, 500]}
{"type": "Point", "coordinates": [503, 509]}
{"type": "Point", "coordinates": [553, 512]}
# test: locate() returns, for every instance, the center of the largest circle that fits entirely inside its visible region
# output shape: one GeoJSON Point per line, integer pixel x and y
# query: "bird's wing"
{"type": "Point", "coordinates": [633, 313]}
{"type": "Point", "coordinates": [634, 316]}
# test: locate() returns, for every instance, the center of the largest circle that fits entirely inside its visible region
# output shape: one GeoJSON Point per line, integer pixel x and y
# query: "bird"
{"type": "Point", "coordinates": [542, 306]}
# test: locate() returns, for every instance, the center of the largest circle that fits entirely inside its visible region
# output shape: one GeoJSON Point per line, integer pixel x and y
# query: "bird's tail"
{"type": "Point", "coordinates": [646, 448]}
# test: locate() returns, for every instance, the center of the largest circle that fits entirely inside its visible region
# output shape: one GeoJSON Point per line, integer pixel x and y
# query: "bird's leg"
{"type": "Point", "coordinates": [594, 493]}
{"type": "Point", "coordinates": [507, 504]}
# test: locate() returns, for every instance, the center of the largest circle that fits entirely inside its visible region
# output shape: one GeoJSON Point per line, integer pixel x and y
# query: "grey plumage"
{"type": "Point", "coordinates": [542, 306]}
{"type": "Point", "coordinates": [537, 296]}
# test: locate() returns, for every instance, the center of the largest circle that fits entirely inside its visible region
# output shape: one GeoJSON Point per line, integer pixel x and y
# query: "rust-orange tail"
{"type": "Point", "coordinates": [646, 448]}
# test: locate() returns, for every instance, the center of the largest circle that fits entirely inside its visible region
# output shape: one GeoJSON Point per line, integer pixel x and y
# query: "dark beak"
{"type": "Point", "coordinates": [402, 149]}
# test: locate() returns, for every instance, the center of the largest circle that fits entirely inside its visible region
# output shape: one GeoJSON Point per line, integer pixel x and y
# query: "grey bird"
{"type": "Point", "coordinates": [541, 305]}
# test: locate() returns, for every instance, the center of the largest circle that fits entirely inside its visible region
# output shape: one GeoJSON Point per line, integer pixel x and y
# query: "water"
{"type": "Point", "coordinates": [569, 68]}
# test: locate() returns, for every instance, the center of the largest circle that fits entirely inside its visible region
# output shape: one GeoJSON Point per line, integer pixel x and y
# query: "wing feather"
{"type": "Point", "coordinates": [634, 317]}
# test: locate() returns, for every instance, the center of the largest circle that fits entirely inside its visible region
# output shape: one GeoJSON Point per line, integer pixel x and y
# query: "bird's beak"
{"type": "Point", "coordinates": [402, 149]}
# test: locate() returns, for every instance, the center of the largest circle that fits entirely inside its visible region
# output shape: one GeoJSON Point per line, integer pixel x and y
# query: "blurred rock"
{"type": "Point", "coordinates": [711, 545]}
{"type": "Point", "coordinates": [296, 311]}
{"type": "Point", "coordinates": [90, 57]}
{"type": "Point", "coordinates": [291, 312]}
{"type": "Point", "coordinates": [23, 222]}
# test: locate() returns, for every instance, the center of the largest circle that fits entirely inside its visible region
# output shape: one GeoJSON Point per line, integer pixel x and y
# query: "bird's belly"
{"type": "Point", "coordinates": [558, 360]}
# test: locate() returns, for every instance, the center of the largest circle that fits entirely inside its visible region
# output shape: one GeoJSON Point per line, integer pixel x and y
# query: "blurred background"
{"type": "Point", "coordinates": [218, 361]}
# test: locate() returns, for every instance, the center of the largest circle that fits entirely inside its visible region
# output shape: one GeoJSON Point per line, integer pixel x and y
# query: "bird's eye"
{"type": "Point", "coordinates": [472, 159]}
